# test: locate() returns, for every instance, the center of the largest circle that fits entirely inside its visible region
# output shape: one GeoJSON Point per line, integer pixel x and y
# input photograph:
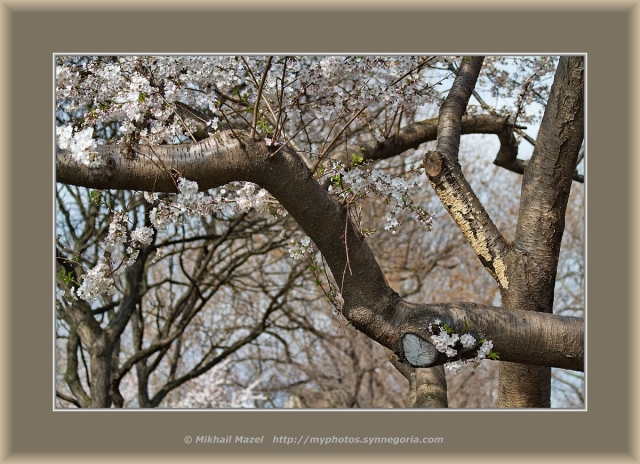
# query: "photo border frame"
{"type": "Point", "coordinates": [32, 31]}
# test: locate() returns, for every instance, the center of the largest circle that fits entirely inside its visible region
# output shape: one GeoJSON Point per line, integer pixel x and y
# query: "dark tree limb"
{"type": "Point", "coordinates": [68, 399]}
{"type": "Point", "coordinates": [369, 303]}
{"type": "Point", "coordinates": [413, 135]}
{"type": "Point", "coordinates": [533, 259]}
{"type": "Point", "coordinates": [82, 399]}
{"type": "Point", "coordinates": [446, 177]}
{"type": "Point", "coordinates": [547, 180]}
{"type": "Point", "coordinates": [427, 387]}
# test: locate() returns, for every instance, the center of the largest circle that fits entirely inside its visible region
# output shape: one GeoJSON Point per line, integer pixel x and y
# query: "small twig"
{"type": "Point", "coordinates": [259, 97]}
{"type": "Point", "coordinates": [179, 117]}
{"type": "Point", "coordinates": [193, 112]}
{"type": "Point", "coordinates": [290, 139]}
{"type": "Point", "coordinates": [335, 123]}
{"type": "Point", "coordinates": [399, 123]}
{"type": "Point", "coordinates": [393, 121]}
{"type": "Point", "coordinates": [521, 98]}
{"type": "Point", "coordinates": [580, 155]}
{"type": "Point", "coordinates": [236, 112]}
{"type": "Point", "coordinates": [522, 134]}
{"type": "Point", "coordinates": [280, 103]}
{"type": "Point", "coordinates": [348, 263]}
{"type": "Point", "coordinates": [231, 127]}
{"type": "Point", "coordinates": [253, 77]}
{"type": "Point", "coordinates": [417, 68]}
{"type": "Point", "coordinates": [164, 167]}
{"type": "Point", "coordinates": [226, 96]}
{"type": "Point", "coordinates": [328, 147]}
{"type": "Point", "coordinates": [346, 248]}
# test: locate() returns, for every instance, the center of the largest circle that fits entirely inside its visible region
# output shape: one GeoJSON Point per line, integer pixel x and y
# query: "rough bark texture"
{"type": "Point", "coordinates": [533, 258]}
{"type": "Point", "coordinates": [370, 304]}
{"type": "Point", "coordinates": [431, 388]}
{"type": "Point", "coordinates": [448, 181]}
{"type": "Point", "coordinates": [525, 270]}
{"type": "Point", "coordinates": [100, 373]}
{"type": "Point", "coordinates": [427, 387]}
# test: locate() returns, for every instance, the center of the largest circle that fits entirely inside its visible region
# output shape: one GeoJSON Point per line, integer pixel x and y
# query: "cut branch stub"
{"type": "Point", "coordinates": [417, 351]}
{"type": "Point", "coordinates": [433, 163]}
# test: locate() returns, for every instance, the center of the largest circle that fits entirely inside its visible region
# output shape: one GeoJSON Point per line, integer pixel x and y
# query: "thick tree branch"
{"type": "Point", "coordinates": [517, 335]}
{"type": "Point", "coordinates": [455, 105]}
{"type": "Point", "coordinates": [446, 177]}
{"type": "Point", "coordinates": [427, 387]}
{"type": "Point", "coordinates": [82, 400]}
{"type": "Point", "coordinates": [413, 135]}
{"type": "Point", "coordinates": [547, 180]}
{"type": "Point", "coordinates": [533, 259]}
{"type": "Point", "coordinates": [68, 399]}
{"type": "Point", "coordinates": [369, 303]}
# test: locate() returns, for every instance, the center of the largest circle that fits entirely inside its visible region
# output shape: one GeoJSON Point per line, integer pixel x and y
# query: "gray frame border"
{"type": "Point", "coordinates": [31, 427]}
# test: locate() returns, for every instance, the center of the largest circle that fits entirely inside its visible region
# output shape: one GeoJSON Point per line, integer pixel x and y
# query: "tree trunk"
{"type": "Point", "coordinates": [427, 387]}
{"type": "Point", "coordinates": [101, 373]}
{"type": "Point", "coordinates": [532, 260]}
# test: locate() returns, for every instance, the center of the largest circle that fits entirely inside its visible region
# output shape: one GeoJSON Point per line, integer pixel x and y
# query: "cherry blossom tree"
{"type": "Point", "coordinates": [220, 292]}
{"type": "Point", "coordinates": [307, 137]}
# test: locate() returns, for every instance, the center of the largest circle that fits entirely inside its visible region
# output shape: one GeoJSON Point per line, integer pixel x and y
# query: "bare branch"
{"type": "Point", "coordinates": [68, 399]}
{"type": "Point", "coordinates": [256, 109]}
{"type": "Point", "coordinates": [378, 312]}
{"type": "Point", "coordinates": [449, 183]}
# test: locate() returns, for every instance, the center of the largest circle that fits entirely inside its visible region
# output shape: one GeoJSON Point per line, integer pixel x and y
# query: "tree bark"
{"type": "Point", "coordinates": [100, 373]}
{"type": "Point", "coordinates": [533, 259]}
{"type": "Point", "coordinates": [427, 387]}
{"type": "Point", "coordinates": [370, 304]}
{"type": "Point", "coordinates": [525, 270]}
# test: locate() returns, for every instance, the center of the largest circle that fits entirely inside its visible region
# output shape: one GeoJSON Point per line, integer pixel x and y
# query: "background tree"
{"type": "Point", "coordinates": [151, 123]}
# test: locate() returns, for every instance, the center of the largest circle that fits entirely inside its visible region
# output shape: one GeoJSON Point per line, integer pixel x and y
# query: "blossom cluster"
{"type": "Point", "coordinates": [360, 82]}
{"type": "Point", "coordinates": [133, 89]}
{"type": "Point", "coordinates": [188, 203]}
{"type": "Point", "coordinates": [398, 192]}
{"type": "Point", "coordinates": [251, 196]}
{"type": "Point", "coordinates": [117, 232]}
{"type": "Point", "coordinates": [80, 144]}
{"type": "Point", "coordinates": [212, 390]}
{"type": "Point", "coordinates": [140, 237]}
{"type": "Point", "coordinates": [445, 339]}
{"type": "Point", "coordinates": [160, 253]}
{"type": "Point", "coordinates": [140, 93]}
{"type": "Point", "coordinates": [96, 282]}
{"type": "Point", "coordinates": [300, 250]}
{"type": "Point", "coordinates": [485, 349]}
